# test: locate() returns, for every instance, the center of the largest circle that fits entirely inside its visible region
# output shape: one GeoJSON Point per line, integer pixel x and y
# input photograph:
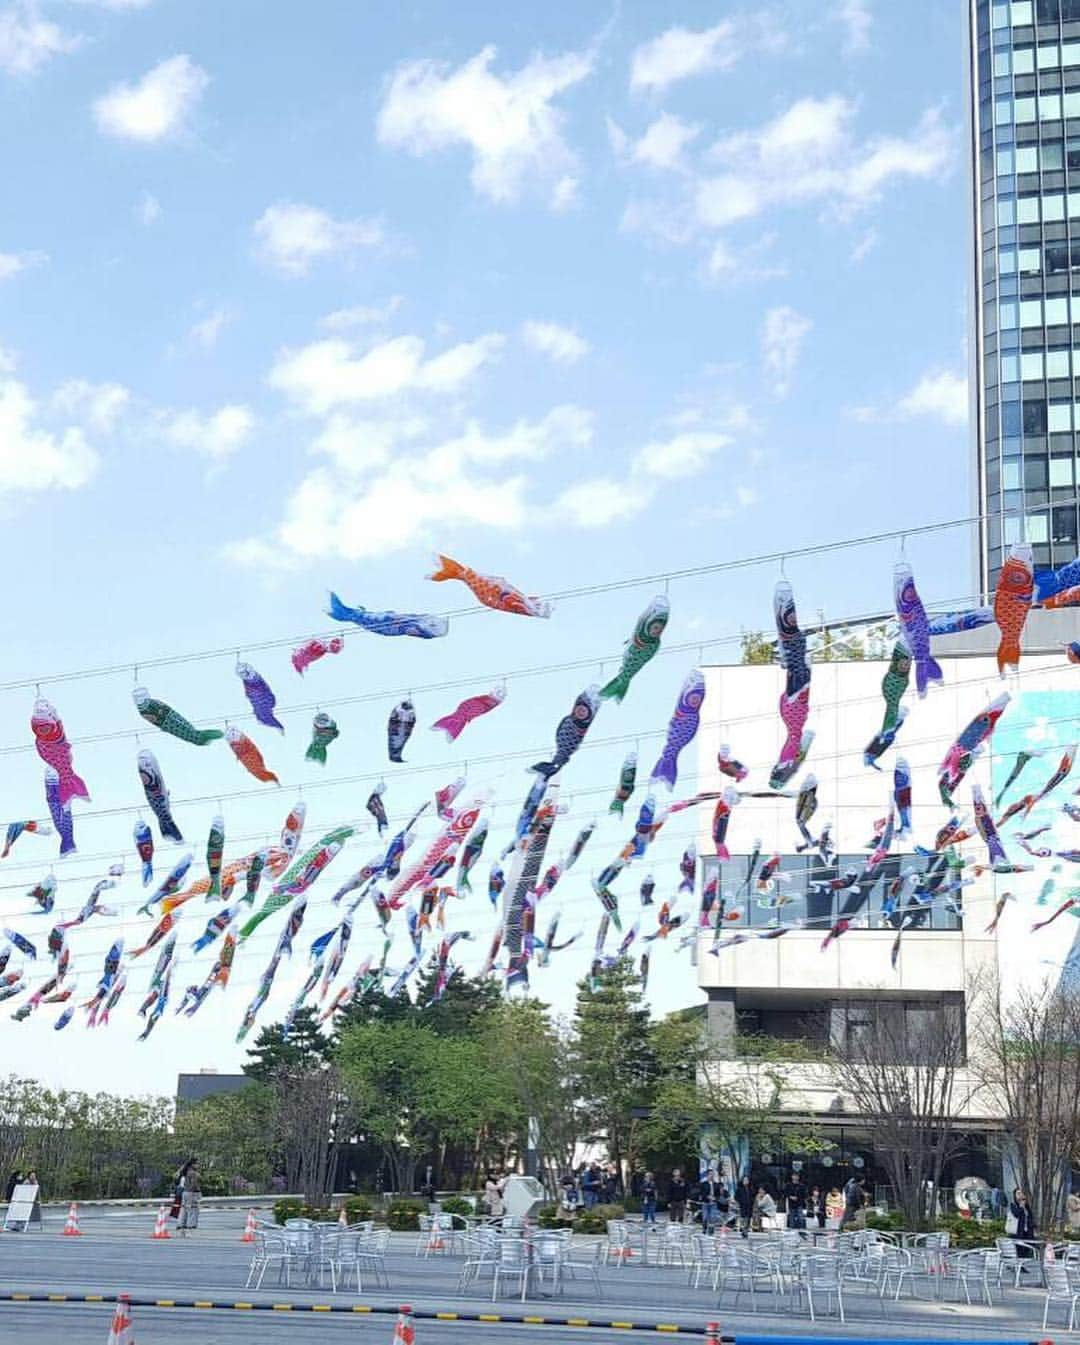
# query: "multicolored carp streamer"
{"type": "Point", "coordinates": [215, 851]}
{"type": "Point", "coordinates": [261, 699]}
{"type": "Point", "coordinates": [53, 748]}
{"type": "Point", "coordinates": [625, 788]}
{"type": "Point", "coordinates": [144, 848]}
{"type": "Point", "coordinates": [376, 808]}
{"type": "Point", "coordinates": [168, 720]}
{"type": "Point", "coordinates": [640, 648]}
{"type": "Point", "coordinates": [490, 589]}
{"type": "Point", "coordinates": [249, 755]}
{"type": "Point", "coordinates": [915, 625]}
{"type": "Point", "coordinates": [470, 709]}
{"type": "Point", "coordinates": [157, 796]}
{"type": "Point", "coordinates": [307, 654]}
{"type": "Point", "coordinates": [399, 729]}
{"type": "Point", "coordinates": [16, 829]}
{"type": "Point", "coordinates": [966, 748]}
{"type": "Point", "coordinates": [423, 627]}
{"type": "Point", "coordinates": [323, 733]}
{"type": "Point", "coordinates": [682, 729]}
{"type": "Point", "coordinates": [1012, 602]}
{"type": "Point", "coordinates": [571, 732]}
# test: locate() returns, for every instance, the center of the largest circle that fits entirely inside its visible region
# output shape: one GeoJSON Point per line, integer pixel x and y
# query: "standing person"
{"type": "Point", "coordinates": [609, 1184]}
{"type": "Point", "coordinates": [1072, 1209]}
{"type": "Point", "coordinates": [709, 1195]}
{"type": "Point", "coordinates": [590, 1185]}
{"type": "Point", "coordinates": [744, 1198]}
{"type": "Point", "coordinates": [1020, 1212]}
{"type": "Point", "coordinates": [493, 1195]}
{"type": "Point", "coordinates": [648, 1199]}
{"type": "Point", "coordinates": [190, 1197]}
{"type": "Point", "coordinates": [817, 1208]}
{"type": "Point", "coordinates": [14, 1180]}
{"type": "Point", "coordinates": [834, 1206]}
{"type": "Point", "coordinates": [764, 1209]}
{"type": "Point", "coordinates": [853, 1202]}
{"type": "Point", "coordinates": [795, 1201]}
{"type": "Point", "coordinates": [569, 1194]}
{"type": "Point", "coordinates": [678, 1195]}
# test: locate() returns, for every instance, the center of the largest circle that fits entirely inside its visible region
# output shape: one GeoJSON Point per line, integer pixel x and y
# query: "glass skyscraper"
{"type": "Point", "coordinates": [1025, 98]}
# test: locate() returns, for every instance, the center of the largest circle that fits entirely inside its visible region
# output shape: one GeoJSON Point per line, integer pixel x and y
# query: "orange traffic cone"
{"type": "Point", "coordinates": [343, 1218]}
{"type": "Point", "coordinates": [404, 1330]}
{"type": "Point", "coordinates": [249, 1228]}
{"type": "Point", "coordinates": [120, 1333]}
{"type": "Point", "coordinates": [71, 1228]}
{"type": "Point", "coordinates": [160, 1231]}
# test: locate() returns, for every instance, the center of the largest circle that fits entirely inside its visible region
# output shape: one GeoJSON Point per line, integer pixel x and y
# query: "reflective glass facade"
{"type": "Point", "coordinates": [1025, 74]}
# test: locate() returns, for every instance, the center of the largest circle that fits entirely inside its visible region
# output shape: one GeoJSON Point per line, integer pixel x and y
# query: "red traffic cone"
{"type": "Point", "coordinates": [120, 1333]}
{"type": "Point", "coordinates": [404, 1330]}
{"type": "Point", "coordinates": [343, 1218]}
{"type": "Point", "coordinates": [160, 1230]}
{"type": "Point", "coordinates": [71, 1228]}
{"type": "Point", "coordinates": [249, 1228]}
{"type": "Point", "coordinates": [712, 1333]}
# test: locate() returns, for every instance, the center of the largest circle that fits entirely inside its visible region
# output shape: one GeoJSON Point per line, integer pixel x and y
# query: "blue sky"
{"type": "Point", "coordinates": [291, 296]}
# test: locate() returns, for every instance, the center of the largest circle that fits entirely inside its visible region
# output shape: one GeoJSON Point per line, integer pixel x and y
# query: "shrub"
{"type": "Point", "coordinates": [965, 1233]}
{"type": "Point", "coordinates": [886, 1223]}
{"type": "Point", "coordinates": [288, 1209]}
{"type": "Point", "coordinates": [590, 1222]}
{"type": "Point", "coordinates": [606, 1212]}
{"type": "Point", "coordinates": [457, 1205]}
{"type": "Point", "coordinates": [214, 1184]}
{"type": "Point", "coordinates": [403, 1216]}
{"type": "Point", "coordinates": [632, 1204]}
{"type": "Point", "coordinates": [358, 1208]}
{"type": "Point", "coordinates": [547, 1216]}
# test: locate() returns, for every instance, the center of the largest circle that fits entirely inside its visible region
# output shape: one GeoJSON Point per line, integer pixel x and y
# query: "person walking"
{"type": "Point", "coordinates": [678, 1195]}
{"type": "Point", "coordinates": [795, 1201]}
{"type": "Point", "coordinates": [853, 1202]}
{"type": "Point", "coordinates": [744, 1199]}
{"type": "Point", "coordinates": [590, 1185]}
{"type": "Point", "coordinates": [648, 1199]}
{"type": "Point", "coordinates": [190, 1196]}
{"type": "Point", "coordinates": [493, 1195]}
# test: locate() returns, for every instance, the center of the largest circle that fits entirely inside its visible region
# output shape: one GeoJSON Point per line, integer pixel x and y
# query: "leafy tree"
{"type": "Point", "coordinates": [274, 1053]}
{"type": "Point", "coordinates": [229, 1131]}
{"type": "Point", "coordinates": [612, 1061]}
{"type": "Point", "coordinates": [757, 648]}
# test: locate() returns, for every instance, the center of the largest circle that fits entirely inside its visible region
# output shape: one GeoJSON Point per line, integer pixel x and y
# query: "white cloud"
{"type": "Point", "coordinates": [679, 53]}
{"type": "Point", "coordinates": [856, 20]}
{"type": "Point", "coordinates": [510, 122]}
{"type": "Point", "coordinates": [32, 457]}
{"type": "Point", "coordinates": [13, 263]}
{"type": "Point", "coordinates": [149, 209]}
{"type": "Point", "coordinates": [662, 144]}
{"type": "Point", "coordinates": [941, 395]}
{"type": "Point", "coordinates": [290, 236]}
{"type": "Point", "coordinates": [562, 344]}
{"type": "Point", "coordinates": [217, 435]}
{"type": "Point", "coordinates": [600, 501]}
{"type": "Point", "coordinates": [363, 315]}
{"type": "Point", "coordinates": [782, 338]}
{"type": "Point", "coordinates": [682, 455]}
{"type": "Point", "coordinates": [866, 244]}
{"type": "Point", "coordinates": [157, 105]}
{"type": "Point", "coordinates": [100, 404]}
{"type": "Point", "coordinates": [329, 374]}
{"type": "Point", "coordinates": [206, 331]}
{"type": "Point", "coordinates": [27, 40]}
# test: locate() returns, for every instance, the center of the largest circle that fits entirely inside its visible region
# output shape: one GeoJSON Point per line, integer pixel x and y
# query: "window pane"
{"type": "Point", "coordinates": [1010, 368]}
{"type": "Point", "coordinates": [1006, 213]}
{"type": "Point", "coordinates": [1007, 315]}
{"type": "Point", "coordinates": [1048, 58]}
{"type": "Point", "coordinates": [1053, 207]}
{"type": "Point", "coordinates": [1031, 364]}
{"type": "Point", "coordinates": [1057, 363]}
{"type": "Point", "coordinates": [1049, 107]}
{"type": "Point", "coordinates": [1060, 472]}
{"type": "Point", "coordinates": [1057, 312]}
{"type": "Point", "coordinates": [1038, 528]}
{"type": "Point", "coordinates": [1010, 531]}
{"type": "Point", "coordinates": [1001, 16]}
{"type": "Point", "coordinates": [1030, 261]}
{"type": "Point", "coordinates": [1059, 418]}
{"type": "Point", "coordinates": [1051, 156]}
{"type": "Point", "coordinates": [1010, 474]}
{"type": "Point", "coordinates": [1024, 108]}
{"type": "Point", "coordinates": [1020, 12]}
{"type": "Point", "coordinates": [1023, 61]}
{"type": "Point", "coordinates": [1002, 111]}
{"type": "Point", "coordinates": [1001, 62]}
{"type": "Point", "coordinates": [1004, 162]}
{"type": "Point", "coordinates": [1027, 210]}
{"type": "Point", "coordinates": [1071, 104]}
{"type": "Point", "coordinates": [1006, 261]}
{"type": "Point", "coordinates": [1070, 53]}
{"type": "Point", "coordinates": [1031, 312]}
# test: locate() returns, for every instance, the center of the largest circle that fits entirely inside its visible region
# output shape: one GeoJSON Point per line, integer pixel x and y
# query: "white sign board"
{"type": "Point", "coordinates": [24, 1208]}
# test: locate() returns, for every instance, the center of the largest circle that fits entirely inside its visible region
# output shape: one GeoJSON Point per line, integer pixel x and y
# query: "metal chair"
{"type": "Point", "coordinates": [324, 1255]}
{"type": "Point", "coordinates": [512, 1261]}
{"type": "Point", "coordinates": [820, 1277]}
{"type": "Point", "coordinates": [479, 1255]}
{"type": "Point", "coordinates": [704, 1258]}
{"type": "Point", "coordinates": [1059, 1289]}
{"type": "Point", "coordinates": [271, 1248]}
{"type": "Point", "coordinates": [571, 1266]}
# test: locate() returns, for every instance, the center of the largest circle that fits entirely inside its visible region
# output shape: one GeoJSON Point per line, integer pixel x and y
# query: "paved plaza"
{"type": "Point", "coordinates": [116, 1255]}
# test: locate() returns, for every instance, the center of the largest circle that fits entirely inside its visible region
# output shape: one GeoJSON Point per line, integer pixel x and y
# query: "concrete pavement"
{"type": "Point", "coordinates": [116, 1255]}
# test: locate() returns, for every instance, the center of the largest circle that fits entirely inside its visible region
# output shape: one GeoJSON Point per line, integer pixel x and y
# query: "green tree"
{"type": "Point", "coordinates": [613, 1064]}
{"type": "Point", "coordinates": [229, 1133]}
{"type": "Point", "coordinates": [276, 1052]}
{"type": "Point", "coordinates": [756, 648]}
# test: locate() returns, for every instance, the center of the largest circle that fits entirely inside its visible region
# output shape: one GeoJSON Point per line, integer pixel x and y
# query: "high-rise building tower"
{"type": "Point", "coordinates": [1025, 142]}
